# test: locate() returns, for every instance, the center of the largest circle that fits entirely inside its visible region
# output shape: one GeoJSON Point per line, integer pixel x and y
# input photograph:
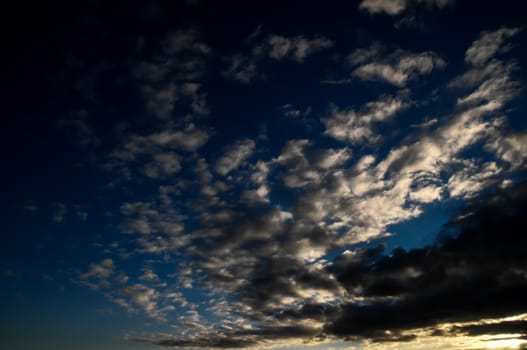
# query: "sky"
{"type": "Point", "coordinates": [264, 175]}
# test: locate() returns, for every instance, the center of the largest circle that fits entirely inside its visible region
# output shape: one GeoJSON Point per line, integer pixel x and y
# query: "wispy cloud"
{"type": "Point", "coordinates": [396, 68]}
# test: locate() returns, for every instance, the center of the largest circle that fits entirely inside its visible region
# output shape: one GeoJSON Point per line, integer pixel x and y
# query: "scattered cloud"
{"type": "Point", "coordinates": [267, 242]}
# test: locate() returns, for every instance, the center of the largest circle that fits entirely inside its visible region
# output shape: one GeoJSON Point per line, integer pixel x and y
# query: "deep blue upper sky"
{"type": "Point", "coordinates": [210, 174]}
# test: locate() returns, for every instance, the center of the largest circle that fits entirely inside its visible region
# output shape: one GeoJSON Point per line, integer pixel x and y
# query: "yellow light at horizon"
{"type": "Point", "coordinates": [505, 341]}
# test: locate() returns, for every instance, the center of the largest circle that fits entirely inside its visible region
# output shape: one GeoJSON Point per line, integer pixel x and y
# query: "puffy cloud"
{"type": "Point", "coordinates": [397, 68]}
{"type": "Point", "coordinates": [488, 44]}
{"type": "Point", "coordinates": [234, 156]}
{"type": "Point", "coordinates": [358, 126]}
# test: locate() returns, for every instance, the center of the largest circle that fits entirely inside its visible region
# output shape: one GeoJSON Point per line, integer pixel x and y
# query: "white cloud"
{"type": "Point", "coordinates": [472, 178]}
{"type": "Point", "coordinates": [305, 165]}
{"type": "Point", "coordinates": [487, 45]}
{"type": "Point", "coordinates": [358, 126]}
{"type": "Point", "coordinates": [234, 156]}
{"type": "Point", "coordinates": [397, 68]}
{"type": "Point", "coordinates": [512, 148]}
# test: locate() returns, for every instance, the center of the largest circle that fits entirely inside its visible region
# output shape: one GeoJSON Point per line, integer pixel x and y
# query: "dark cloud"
{"type": "Point", "coordinates": [478, 272]}
{"type": "Point", "coordinates": [505, 327]}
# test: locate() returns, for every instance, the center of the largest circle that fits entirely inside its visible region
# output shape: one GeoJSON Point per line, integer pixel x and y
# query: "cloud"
{"type": "Point", "coordinates": [172, 78]}
{"type": "Point", "coordinates": [512, 148]}
{"type": "Point", "coordinates": [289, 110]}
{"type": "Point", "coordinates": [397, 7]}
{"type": "Point", "coordinates": [98, 275]}
{"type": "Point", "coordinates": [185, 40]}
{"type": "Point", "coordinates": [80, 129]}
{"type": "Point", "coordinates": [387, 6]}
{"type": "Point", "coordinates": [162, 165]}
{"type": "Point", "coordinates": [295, 48]}
{"type": "Point", "coordinates": [143, 297]}
{"type": "Point", "coordinates": [270, 244]}
{"type": "Point", "coordinates": [304, 165]}
{"type": "Point", "coordinates": [160, 102]}
{"type": "Point", "coordinates": [245, 68]}
{"type": "Point", "coordinates": [234, 156]}
{"type": "Point", "coordinates": [488, 44]}
{"type": "Point", "coordinates": [145, 218]}
{"type": "Point", "coordinates": [242, 69]}
{"type": "Point", "coordinates": [451, 281]}
{"type": "Point", "coordinates": [159, 148]}
{"type": "Point", "coordinates": [357, 127]}
{"type": "Point", "coordinates": [59, 211]}
{"type": "Point", "coordinates": [82, 215]}
{"type": "Point", "coordinates": [397, 68]}
{"type": "Point", "coordinates": [149, 276]}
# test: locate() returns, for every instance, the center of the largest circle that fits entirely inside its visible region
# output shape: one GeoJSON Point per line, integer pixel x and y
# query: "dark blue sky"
{"type": "Point", "coordinates": [214, 175]}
